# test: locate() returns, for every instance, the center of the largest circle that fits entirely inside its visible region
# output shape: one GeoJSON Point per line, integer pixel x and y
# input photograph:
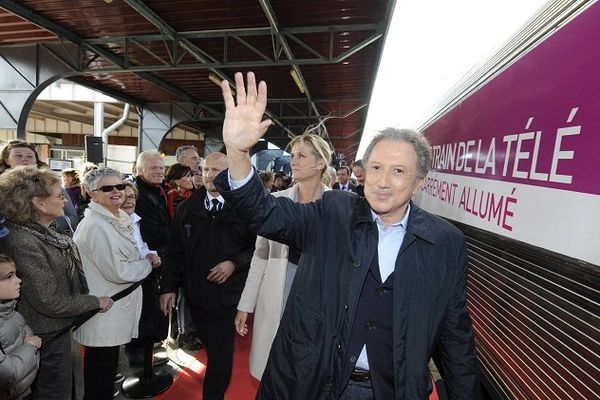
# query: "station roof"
{"type": "Point", "coordinates": [319, 58]}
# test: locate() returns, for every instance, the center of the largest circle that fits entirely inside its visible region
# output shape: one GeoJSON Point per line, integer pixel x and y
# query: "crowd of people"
{"type": "Point", "coordinates": [352, 286]}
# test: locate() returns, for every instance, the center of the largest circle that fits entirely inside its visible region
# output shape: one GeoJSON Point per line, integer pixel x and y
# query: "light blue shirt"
{"type": "Point", "coordinates": [389, 243]}
{"type": "Point", "coordinates": [236, 184]}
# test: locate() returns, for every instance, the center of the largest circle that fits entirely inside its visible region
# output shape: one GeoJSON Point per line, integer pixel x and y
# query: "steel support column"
{"type": "Point", "coordinates": [157, 120]}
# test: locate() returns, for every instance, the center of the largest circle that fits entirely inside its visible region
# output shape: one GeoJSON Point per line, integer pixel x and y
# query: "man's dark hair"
{"type": "Point", "coordinates": [358, 163]}
{"type": "Point", "coordinates": [343, 167]}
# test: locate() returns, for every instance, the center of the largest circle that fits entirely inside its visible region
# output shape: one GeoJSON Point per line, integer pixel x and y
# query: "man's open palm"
{"type": "Point", "coordinates": [243, 125]}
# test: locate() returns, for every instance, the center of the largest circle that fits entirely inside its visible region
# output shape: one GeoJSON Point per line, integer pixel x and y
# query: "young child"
{"type": "Point", "coordinates": [19, 359]}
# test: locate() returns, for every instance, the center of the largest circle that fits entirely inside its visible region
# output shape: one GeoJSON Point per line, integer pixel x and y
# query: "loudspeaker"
{"type": "Point", "coordinates": [93, 149]}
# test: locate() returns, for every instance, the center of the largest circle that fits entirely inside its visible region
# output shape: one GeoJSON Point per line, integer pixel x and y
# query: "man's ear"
{"type": "Point", "coordinates": [418, 185]}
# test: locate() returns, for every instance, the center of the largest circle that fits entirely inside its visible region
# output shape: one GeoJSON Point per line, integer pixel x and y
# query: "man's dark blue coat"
{"type": "Point", "coordinates": [338, 240]}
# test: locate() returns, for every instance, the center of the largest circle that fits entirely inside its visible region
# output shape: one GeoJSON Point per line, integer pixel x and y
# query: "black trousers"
{"type": "Point", "coordinates": [216, 331]}
{"type": "Point", "coordinates": [100, 364]}
{"type": "Point", "coordinates": [358, 391]}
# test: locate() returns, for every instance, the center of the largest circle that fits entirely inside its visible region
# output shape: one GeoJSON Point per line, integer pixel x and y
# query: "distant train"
{"type": "Point", "coordinates": [516, 166]}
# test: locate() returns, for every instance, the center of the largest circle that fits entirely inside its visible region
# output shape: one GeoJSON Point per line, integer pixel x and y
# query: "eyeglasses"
{"type": "Point", "coordinates": [131, 197]}
{"type": "Point", "coordinates": [60, 195]}
{"type": "Point", "coordinates": [110, 188]}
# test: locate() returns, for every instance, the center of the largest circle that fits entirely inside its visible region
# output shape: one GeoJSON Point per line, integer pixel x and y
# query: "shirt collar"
{"type": "Point", "coordinates": [210, 197]}
{"type": "Point", "coordinates": [135, 218]}
{"type": "Point", "coordinates": [402, 224]}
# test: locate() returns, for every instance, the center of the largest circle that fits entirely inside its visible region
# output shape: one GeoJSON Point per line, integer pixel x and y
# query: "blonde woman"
{"type": "Point", "coordinates": [274, 264]}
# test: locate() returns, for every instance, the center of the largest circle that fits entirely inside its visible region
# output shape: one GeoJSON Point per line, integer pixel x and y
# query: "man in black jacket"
{"type": "Point", "coordinates": [151, 206]}
{"type": "Point", "coordinates": [208, 253]}
{"type": "Point", "coordinates": [343, 179]}
{"type": "Point", "coordinates": [363, 317]}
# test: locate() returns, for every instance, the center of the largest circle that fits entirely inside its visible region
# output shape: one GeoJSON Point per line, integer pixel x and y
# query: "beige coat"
{"type": "Point", "coordinates": [111, 262]}
{"type": "Point", "coordinates": [263, 293]}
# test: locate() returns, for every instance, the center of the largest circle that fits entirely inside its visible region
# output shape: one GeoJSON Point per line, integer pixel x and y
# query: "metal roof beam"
{"type": "Point", "coordinates": [270, 13]}
{"type": "Point", "coordinates": [213, 66]}
{"type": "Point", "coordinates": [66, 34]}
{"type": "Point", "coordinates": [204, 58]}
{"type": "Point", "coordinates": [242, 32]}
{"type": "Point", "coordinates": [171, 33]}
{"type": "Point", "coordinates": [303, 100]}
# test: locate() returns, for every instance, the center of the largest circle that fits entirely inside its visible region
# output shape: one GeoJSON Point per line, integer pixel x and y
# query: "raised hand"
{"type": "Point", "coordinates": [243, 125]}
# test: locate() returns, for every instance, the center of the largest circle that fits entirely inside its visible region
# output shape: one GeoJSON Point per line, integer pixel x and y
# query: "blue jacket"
{"type": "Point", "coordinates": [339, 240]}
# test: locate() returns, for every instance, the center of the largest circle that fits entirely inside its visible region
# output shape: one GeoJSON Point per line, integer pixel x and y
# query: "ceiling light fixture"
{"type": "Point", "coordinates": [298, 81]}
{"type": "Point", "coordinates": [215, 79]}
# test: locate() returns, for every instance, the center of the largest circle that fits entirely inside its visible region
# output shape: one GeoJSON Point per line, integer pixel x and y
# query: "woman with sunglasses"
{"type": "Point", "coordinates": [112, 263]}
{"type": "Point", "coordinates": [54, 288]}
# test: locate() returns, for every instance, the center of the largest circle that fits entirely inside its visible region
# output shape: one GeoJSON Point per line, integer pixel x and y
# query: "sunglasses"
{"type": "Point", "coordinates": [110, 188]}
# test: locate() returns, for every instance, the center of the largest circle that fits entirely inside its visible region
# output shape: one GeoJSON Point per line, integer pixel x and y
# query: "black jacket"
{"type": "Point", "coordinates": [154, 226]}
{"type": "Point", "coordinates": [197, 242]}
{"type": "Point", "coordinates": [339, 240]}
{"type": "Point", "coordinates": [152, 209]}
{"type": "Point", "coordinates": [351, 187]}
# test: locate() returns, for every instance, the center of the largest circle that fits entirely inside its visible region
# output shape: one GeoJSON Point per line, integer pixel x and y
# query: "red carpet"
{"type": "Point", "coordinates": [188, 383]}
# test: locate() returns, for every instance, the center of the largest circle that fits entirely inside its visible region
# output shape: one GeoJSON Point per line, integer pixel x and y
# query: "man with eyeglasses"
{"type": "Point", "coordinates": [188, 156]}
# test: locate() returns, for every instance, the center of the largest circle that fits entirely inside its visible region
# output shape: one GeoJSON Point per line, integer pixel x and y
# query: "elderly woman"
{"type": "Point", "coordinates": [54, 288]}
{"type": "Point", "coordinates": [131, 195]}
{"type": "Point", "coordinates": [112, 263]}
{"type": "Point", "coordinates": [274, 265]}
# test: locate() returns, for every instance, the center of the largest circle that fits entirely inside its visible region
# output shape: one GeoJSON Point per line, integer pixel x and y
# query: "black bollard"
{"type": "Point", "coordinates": [147, 384]}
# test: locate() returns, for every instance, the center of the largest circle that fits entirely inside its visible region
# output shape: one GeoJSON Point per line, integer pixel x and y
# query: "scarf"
{"type": "Point", "coordinates": [122, 224]}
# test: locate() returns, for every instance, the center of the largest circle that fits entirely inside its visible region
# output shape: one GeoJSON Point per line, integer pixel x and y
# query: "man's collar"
{"type": "Point", "coordinates": [402, 223]}
{"type": "Point", "coordinates": [140, 179]}
{"type": "Point", "coordinates": [135, 218]}
{"type": "Point", "coordinates": [219, 197]}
